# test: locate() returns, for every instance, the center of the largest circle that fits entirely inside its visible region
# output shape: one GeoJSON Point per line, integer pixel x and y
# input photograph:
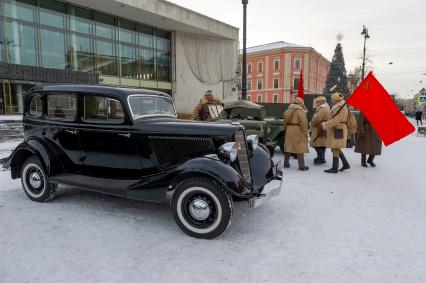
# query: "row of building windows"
{"type": "Point", "coordinates": [53, 34]}
{"type": "Point", "coordinates": [259, 98]}
{"type": "Point", "coordinates": [276, 84]}
{"type": "Point", "coordinates": [297, 65]}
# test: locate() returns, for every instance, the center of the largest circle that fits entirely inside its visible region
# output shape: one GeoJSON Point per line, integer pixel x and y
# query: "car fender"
{"type": "Point", "coordinates": [33, 147]}
{"type": "Point", "coordinates": [262, 167]}
{"type": "Point", "coordinates": [214, 168]}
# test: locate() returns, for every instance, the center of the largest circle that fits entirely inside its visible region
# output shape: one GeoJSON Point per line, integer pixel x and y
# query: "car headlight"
{"type": "Point", "coordinates": [229, 150]}
{"type": "Point", "coordinates": [253, 141]}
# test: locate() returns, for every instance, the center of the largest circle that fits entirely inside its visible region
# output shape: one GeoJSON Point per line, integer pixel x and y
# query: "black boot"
{"type": "Point", "coordinates": [317, 160]}
{"type": "Point", "coordinates": [301, 161]}
{"type": "Point", "coordinates": [322, 158]}
{"type": "Point", "coordinates": [370, 161]}
{"type": "Point", "coordinates": [286, 160]}
{"type": "Point", "coordinates": [345, 163]}
{"type": "Point", "coordinates": [364, 160]}
{"type": "Point", "coordinates": [335, 167]}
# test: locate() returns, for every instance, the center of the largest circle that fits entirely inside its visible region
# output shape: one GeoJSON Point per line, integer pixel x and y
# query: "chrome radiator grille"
{"type": "Point", "coordinates": [243, 155]}
{"type": "Point", "coordinates": [169, 149]}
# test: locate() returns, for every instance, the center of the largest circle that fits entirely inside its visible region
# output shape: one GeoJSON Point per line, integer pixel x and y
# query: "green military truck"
{"type": "Point", "coordinates": [253, 117]}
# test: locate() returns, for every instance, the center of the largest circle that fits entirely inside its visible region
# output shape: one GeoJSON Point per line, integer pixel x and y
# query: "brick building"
{"type": "Point", "coordinates": [273, 72]}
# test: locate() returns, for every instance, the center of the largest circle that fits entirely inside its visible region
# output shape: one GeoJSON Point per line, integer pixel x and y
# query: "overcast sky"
{"type": "Point", "coordinates": [397, 29]}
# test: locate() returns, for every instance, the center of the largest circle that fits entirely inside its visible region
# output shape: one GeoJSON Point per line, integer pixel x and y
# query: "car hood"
{"type": "Point", "coordinates": [185, 127]}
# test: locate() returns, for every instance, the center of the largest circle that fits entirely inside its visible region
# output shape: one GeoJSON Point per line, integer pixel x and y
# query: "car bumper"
{"type": "Point", "coordinates": [270, 190]}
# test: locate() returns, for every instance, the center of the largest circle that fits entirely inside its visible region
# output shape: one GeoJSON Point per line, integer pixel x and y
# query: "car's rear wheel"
{"type": "Point", "coordinates": [201, 208]}
{"type": "Point", "coordinates": [35, 182]}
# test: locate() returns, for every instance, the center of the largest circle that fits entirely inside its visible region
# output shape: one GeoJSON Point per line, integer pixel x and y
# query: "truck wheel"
{"type": "Point", "coordinates": [201, 208]}
{"type": "Point", "coordinates": [34, 181]}
{"type": "Point", "coordinates": [281, 144]}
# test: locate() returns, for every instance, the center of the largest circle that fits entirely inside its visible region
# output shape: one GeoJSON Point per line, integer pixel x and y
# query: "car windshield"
{"type": "Point", "coordinates": [246, 113]}
{"type": "Point", "coordinates": [149, 105]}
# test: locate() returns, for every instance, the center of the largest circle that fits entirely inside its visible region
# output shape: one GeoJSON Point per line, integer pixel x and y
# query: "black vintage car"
{"type": "Point", "coordinates": [128, 142]}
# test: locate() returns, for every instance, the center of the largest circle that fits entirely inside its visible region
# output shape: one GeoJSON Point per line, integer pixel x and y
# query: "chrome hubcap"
{"type": "Point", "coordinates": [35, 180]}
{"type": "Point", "coordinates": [199, 209]}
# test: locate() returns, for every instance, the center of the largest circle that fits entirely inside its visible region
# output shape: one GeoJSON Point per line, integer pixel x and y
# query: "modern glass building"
{"type": "Point", "coordinates": [49, 41]}
{"type": "Point", "coordinates": [151, 44]}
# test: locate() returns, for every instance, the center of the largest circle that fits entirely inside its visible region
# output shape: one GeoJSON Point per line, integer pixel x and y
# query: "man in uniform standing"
{"type": "Point", "coordinates": [296, 133]}
{"type": "Point", "coordinates": [368, 142]}
{"type": "Point", "coordinates": [318, 137]}
{"type": "Point", "coordinates": [201, 111]}
{"type": "Point", "coordinates": [337, 132]}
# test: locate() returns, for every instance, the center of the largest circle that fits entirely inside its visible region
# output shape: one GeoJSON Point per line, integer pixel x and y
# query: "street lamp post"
{"type": "Point", "coordinates": [366, 35]}
{"type": "Point", "coordinates": [244, 69]}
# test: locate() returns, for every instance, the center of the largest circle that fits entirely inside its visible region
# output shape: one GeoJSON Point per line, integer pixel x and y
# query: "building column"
{"type": "Point", "coordinates": [20, 98]}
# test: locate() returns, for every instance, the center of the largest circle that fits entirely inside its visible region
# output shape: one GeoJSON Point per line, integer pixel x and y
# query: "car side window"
{"type": "Point", "coordinates": [36, 106]}
{"type": "Point", "coordinates": [98, 109]}
{"type": "Point", "coordinates": [62, 106]}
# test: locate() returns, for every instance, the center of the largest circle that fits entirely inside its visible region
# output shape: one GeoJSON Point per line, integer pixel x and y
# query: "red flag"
{"type": "Point", "coordinates": [300, 91]}
{"type": "Point", "coordinates": [375, 103]}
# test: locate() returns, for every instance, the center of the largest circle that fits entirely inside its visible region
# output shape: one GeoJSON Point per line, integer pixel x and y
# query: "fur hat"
{"type": "Point", "coordinates": [299, 101]}
{"type": "Point", "coordinates": [208, 92]}
{"type": "Point", "coordinates": [337, 96]}
{"type": "Point", "coordinates": [320, 98]}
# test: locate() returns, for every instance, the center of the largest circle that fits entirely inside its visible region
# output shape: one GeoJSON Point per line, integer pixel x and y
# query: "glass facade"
{"type": "Point", "coordinates": [56, 34]}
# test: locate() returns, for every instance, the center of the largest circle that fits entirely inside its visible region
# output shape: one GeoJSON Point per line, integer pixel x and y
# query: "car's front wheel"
{"type": "Point", "coordinates": [35, 182]}
{"type": "Point", "coordinates": [201, 208]}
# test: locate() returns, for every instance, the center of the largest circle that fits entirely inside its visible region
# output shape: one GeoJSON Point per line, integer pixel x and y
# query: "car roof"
{"type": "Point", "coordinates": [116, 91]}
{"type": "Point", "coordinates": [242, 104]}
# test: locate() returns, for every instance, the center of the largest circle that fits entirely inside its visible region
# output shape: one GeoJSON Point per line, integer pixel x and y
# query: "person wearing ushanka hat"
{"type": "Point", "coordinates": [337, 132]}
{"type": "Point", "coordinates": [318, 137]}
{"type": "Point", "coordinates": [202, 111]}
{"type": "Point", "coordinates": [296, 133]}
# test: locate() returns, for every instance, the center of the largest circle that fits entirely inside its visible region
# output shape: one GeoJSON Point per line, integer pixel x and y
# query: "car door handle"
{"type": "Point", "coordinates": [125, 135]}
{"type": "Point", "coordinates": [73, 132]}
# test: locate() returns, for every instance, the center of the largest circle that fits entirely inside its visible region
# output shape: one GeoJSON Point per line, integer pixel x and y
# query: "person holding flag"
{"type": "Point", "coordinates": [368, 142]}
{"type": "Point", "coordinates": [378, 107]}
{"type": "Point", "coordinates": [337, 132]}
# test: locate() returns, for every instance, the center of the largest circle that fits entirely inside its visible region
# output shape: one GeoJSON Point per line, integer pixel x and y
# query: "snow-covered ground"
{"type": "Point", "coordinates": [364, 225]}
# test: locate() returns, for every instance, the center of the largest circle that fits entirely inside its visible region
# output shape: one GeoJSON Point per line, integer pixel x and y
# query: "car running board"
{"type": "Point", "coordinates": [109, 186]}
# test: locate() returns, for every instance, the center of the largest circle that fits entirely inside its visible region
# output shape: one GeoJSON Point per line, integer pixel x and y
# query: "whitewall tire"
{"type": "Point", "coordinates": [35, 182]}
{"type": "Point", "coordinates": [201, 208]}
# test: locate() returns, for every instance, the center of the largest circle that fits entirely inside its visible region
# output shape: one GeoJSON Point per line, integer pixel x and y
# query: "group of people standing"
{"type": "Point", "coordinates": [329, 128]}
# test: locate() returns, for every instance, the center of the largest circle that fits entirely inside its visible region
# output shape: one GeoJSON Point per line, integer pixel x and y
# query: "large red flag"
{"type": "Point", "coordinates": [376, 104]}
{"type": "Point", "coordinates": [300, 91]}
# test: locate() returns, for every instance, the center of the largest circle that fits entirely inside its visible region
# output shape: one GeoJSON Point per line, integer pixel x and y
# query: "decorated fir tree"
{"type": "Point", "coordinates": [337, 74]}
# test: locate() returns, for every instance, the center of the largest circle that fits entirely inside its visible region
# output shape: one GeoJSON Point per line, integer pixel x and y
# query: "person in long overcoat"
{"type": "Point", "coordinates": [296, 133]}
{"type": "Point", "coordinates": [319, 138]}
{"type": "Point", "coordinates": [201, 111]}
{"type": "Point", "coordinates": [368, 142]}
{"type": "Point", "coordinates": [337, 132]}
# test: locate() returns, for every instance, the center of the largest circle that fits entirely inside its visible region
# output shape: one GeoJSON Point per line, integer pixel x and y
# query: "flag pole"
{"type": "Point", "coordinates": [366, 35]}
{"type": "Point", "coordinates": [244, 67]}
